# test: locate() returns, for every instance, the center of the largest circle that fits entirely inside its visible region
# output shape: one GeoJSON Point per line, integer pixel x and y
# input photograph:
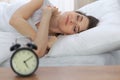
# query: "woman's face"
{"type": "Point", "coordinates": [72, 22]}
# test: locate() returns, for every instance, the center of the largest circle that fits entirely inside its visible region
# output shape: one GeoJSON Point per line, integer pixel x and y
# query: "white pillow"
{"type": "Point", "coordinates": [103, 38]}
{"type": "Point", "coordinates": [100, 8]}
{"type": "Point", "coordinates": [119, 2]}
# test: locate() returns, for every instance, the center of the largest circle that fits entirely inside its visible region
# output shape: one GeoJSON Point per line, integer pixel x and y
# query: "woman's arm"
{"type": "Point", "coordinates": [19, 18]}
{"type": "Point", "coordinates": [43, 30]}
{"type": "Point", "coordinates": [18, 21]}
{"type": "Point", "coordinates": [41, 39]}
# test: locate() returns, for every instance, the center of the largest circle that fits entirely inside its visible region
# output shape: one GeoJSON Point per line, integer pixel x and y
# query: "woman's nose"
{"type": "Point", "coordinates": [72, 21]}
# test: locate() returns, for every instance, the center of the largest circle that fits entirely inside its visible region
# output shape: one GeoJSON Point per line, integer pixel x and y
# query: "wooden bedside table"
{"type": "Point", "coordinates": [67, 73]}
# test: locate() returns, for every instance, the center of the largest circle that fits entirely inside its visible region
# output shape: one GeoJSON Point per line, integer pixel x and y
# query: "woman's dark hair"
{"type": "Point", "coordinates": [92, 20]}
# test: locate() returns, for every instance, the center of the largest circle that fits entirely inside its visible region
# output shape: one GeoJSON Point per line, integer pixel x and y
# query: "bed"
{"type": "Point", "coordinates": [97, 46]}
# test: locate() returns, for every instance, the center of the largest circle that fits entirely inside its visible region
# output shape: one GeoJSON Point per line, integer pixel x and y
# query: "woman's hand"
{"type": "Point", "coordinates": [51, 41]}
{"type": "Point", "coordinates": [50, 10]}
{"type": "Point", "coordinates": [55, 11]}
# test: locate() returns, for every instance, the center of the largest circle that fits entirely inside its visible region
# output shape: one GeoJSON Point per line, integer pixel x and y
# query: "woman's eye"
{"type": "Point", "coordinates": [78, 17]}
{"type": "Point", "coordinates": [74, 29]}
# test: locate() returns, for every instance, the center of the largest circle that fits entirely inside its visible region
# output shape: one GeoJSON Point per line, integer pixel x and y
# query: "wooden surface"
{"type": "Point", "coordinates": [67, 73]}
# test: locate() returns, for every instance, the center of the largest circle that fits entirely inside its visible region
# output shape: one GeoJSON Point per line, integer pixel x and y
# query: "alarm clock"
{"type": "Point", "coordinates": [24, 61]}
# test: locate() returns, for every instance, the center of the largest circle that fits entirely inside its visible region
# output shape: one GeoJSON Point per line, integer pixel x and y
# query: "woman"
{"type": "Point", "coordinates": [47, 20]}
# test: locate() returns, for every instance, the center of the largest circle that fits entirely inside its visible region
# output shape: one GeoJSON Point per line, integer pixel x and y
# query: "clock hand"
{"type": "Point", "coordinates": [25, 64]}
{"type": "Point", "coordinates": [28, 59]}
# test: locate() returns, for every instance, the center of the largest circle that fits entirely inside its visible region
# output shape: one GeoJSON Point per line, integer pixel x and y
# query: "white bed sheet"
{"type": "Point", "coordinates": [110, 58]}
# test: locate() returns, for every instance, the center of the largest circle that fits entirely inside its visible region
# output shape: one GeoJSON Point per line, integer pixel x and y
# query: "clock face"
{"type": "Point", "coordinates": [24, 62]}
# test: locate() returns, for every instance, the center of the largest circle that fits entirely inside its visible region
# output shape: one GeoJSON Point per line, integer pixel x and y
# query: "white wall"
{"type": "Point", "coordinates": [68, 5]}
{"type": "Point", "coordinates": [9, 1]}
{"type": "Point", "coordinates": [63, 5]}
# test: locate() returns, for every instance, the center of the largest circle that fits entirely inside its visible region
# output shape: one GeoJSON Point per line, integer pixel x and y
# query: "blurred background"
{"type": "Point", "coordinates": [68, 5]}
{"type": "Point", "coordinates": [65, 5]}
